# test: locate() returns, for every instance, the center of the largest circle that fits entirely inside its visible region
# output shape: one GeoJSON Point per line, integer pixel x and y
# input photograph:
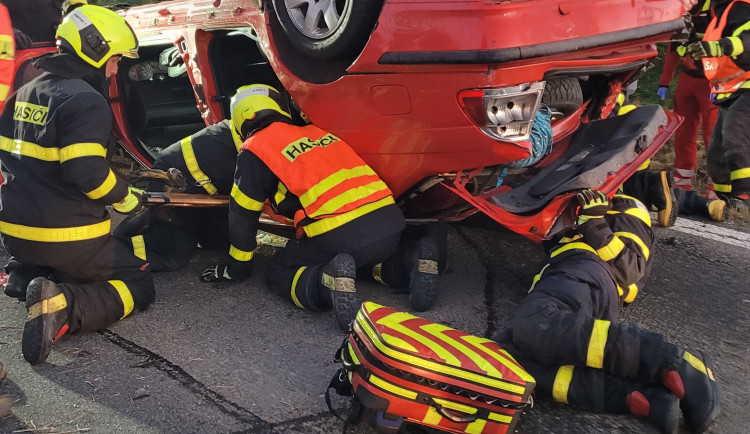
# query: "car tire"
{"type": "Point", "coordinates": [563, 95]}
{"type": "Point", "coordinates": [341, 38]}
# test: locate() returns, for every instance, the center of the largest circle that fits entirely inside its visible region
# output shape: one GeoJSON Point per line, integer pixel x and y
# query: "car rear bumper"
{"type": "Point", "coordinates": [601, 155]}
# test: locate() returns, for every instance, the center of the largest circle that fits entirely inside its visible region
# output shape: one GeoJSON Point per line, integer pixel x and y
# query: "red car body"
{"type": "Point", "coordinates": [401, 103]}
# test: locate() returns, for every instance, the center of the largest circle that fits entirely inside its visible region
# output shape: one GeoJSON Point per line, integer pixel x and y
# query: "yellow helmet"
{"type": "Point", "coordinates": [254, 106]}
{"type": "Point", "coordinates": [95, 34]}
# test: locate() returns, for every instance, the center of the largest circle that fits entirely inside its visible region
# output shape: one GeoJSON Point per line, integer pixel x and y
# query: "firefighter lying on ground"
{"type": "Point", "coordinates": [57, 184]}
{"type": "Point", "coordinates": [725, 53]}
{"type": "Point", "coordinates": [345, 216]}
{"type": "Point", "coordinates": [171, 235]}
{"type": "Point", "coordinates": [567, 335]}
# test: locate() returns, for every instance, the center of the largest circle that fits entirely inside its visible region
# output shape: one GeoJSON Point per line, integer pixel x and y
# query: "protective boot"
{"type": "Point", "coordinates": [47, 321]}
{"type": "Point", "coordinates": [16, 285]}
{"type": "Point", "coordinates": [656, 191]}
{"type": "Point", "coordinates": [657, 405]}
{"type": "Point", "coordinates": [423, 274]}
{"type": "Point", "coordinates": [691, 203]}
{"type": "Point", "coordinates": [692, 381]}
{"type": "Point", "coordinates": [740, 203]}
{"type": "Point", "coordinates": [337, 278]}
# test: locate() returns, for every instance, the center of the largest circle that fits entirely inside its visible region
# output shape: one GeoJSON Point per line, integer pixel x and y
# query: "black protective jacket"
{"type": "Point", "coordinates": [214, 155]}
{"type": "Point", "coordinates": [55, 133]}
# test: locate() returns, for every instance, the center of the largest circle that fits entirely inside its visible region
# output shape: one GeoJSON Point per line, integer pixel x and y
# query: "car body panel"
{"type": "Point", "coordinates": [397, 103]}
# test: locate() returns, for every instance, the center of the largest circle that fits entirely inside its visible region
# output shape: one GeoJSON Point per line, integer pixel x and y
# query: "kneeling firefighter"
{"type": "Point", "coordinates": [206, 160]}
{"type": "Point", "coordinates": [345, 216]}
{"type": "Point", "coordinates": [53, 221]}
{"type": "Point", "coordinates": [567, 334]}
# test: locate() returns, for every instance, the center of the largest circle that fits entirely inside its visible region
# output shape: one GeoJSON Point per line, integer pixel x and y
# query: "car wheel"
{"type": "Point", "coordinates": [563, 95]}
{"type": "Point", "coordinates": [328, 29]}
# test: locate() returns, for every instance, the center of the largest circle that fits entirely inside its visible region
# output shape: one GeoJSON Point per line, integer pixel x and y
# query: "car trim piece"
{"type": "Point", "coordinates": [502, 55]}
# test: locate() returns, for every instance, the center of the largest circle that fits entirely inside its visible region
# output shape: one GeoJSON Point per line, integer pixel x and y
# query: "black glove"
{"type": "Point", "coordinates": [132, 203]}
{"type": "Point", "coordinates": [593, 205]}
{"type": "Point", "coordinates": [217, 273]}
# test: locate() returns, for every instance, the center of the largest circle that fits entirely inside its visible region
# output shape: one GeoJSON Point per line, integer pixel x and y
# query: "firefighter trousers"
{"type": "Point", "coordinates": [692, 101]}
{"type": "Point", "coordinates": [580, 387]}
{"type": "Point", "coordinates": [102, 278]}
{"type": "Point", "coordinates": [295, 271]}
{"type": "Point", "coordinates": [171, 235]}
{"type": "Point", "coordinates": [728, 158]}
{"type": "Point", "coordinates": [569, 319]}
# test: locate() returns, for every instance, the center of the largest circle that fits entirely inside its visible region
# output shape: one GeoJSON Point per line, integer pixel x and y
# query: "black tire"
{"type": "Point", "coordinates": [344, 38]}
{"type": "Point", "coordinates": [563, 94]}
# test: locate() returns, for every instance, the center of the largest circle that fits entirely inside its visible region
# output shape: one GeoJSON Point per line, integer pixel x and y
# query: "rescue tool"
{"type": "Point", "coordinates": [185, 199]}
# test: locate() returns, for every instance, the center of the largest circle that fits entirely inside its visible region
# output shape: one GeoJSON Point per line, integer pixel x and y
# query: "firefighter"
{"type": "Point", "coordinates": [345, 216]}
{"type": "Point", "coordinates": [725, 54]}
{"type": "Point", "coordinates": [567, 335]}
{"type": "Point", "coordinates": [207, 160]}
{"type": "Point", "coordinates": [692, 99]}
{"type": "Point", "coordinates": [7, 55]}
{"type": "Point", "coordinates": [53, 138]}
{"type": "Point", "coordinates": [654, 188]}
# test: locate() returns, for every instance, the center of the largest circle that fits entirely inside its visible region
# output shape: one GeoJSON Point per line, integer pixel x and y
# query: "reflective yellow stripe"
{"type": "Point", "coordinates": [353, 355]}
{"type": "Point", "coordinates": [433, 366]}
{"type": "Point", "coordinates": [737, 47]}
{"type": "Point", "coordinates": [56, 235]}
{"type": "Point", "coordinates": [537, 278]}
{"type": "Point", "coordinates": [349, 196]}
{"type": "Point", "coordinates": [641, 214]}
{"type": "Point", "coordinates": [632, 293]}
{"type": "Point", "coordinates": [695, 363]}
{"type": "Point", "coordinates": [631, 236]}
{"type": "Point", "coordinates": [723, 188]}
{"type": "Point", "coordinates": [377, 274]}
{"type": "Point", "coordinates": [706, 6]}
{"type": "Point", "coordinates": [192, 165]}
{"type": "Point", "coordinates": [244, 200]}
{"type": "Point", "coordinates": [105, 188]}
{"type": "Point", "coordinates": [476, 427]}
{"type": "Point", "coordinates": [78, 150]}
{"type": "Point", "coordinates": [645, 165]}
{"type": "Point", "coordinates": [507, 361]}
{"type": "Point", "coordinates": [28, 149]}
{"type": "Point", "coordinates": [4, 91]}
{"type": "Point", "coordinates": [611, 250]}
{"type": "Point", "coordinates": [139, 246]}
{"type": "Point", "coordinates": [125, 296]}
{"type": "Point", "coordinates": [331, 181]}
{"type": "Point", "coordinates": [595, 355]}
{"type": "Point", "coordinates": [502, 418]}
{"type": "Point", "coordinates": [390, 387]}
{"type": "Point", "coordinates": [562, 383]}
{"type": "Point", "coordinates": [572, 246]}
{"type": "Point", "coordinates": [398, 343]}
{"type": "Point", "coordinates": [50, 305]}
{"type": "Point", "coordinates": [327, 224]}
{"type": "Point", "coordinates": [280, 193]}
{"type": "Point", "coordinates": [438, 330]}
{"type": "Point", "coordinates": [240, 255]}
{"type": "Point", "coordinates": [394, 321]}
{"type": "Point", "coordinates": [432, 417]}
{"type": "Point", "coordinates": [294, 287]}
{"type": "Point", "coordinates": [740, 174]}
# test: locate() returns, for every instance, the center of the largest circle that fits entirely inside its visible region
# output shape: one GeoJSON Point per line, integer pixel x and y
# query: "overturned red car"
{"type": "Point", "coordinates": [438, 97]}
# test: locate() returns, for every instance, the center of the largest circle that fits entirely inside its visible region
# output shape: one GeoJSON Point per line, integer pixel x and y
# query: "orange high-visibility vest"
{"type": "Point", "coordinates": [327, 175]}
{"type": "Point", "coordinates": [724, 74]}
{"type": "Point", "coordinates": [7, 54]}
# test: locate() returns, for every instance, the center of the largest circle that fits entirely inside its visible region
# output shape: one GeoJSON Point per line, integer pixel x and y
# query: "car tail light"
{"type": "Point", "coordinates": [504, 113]}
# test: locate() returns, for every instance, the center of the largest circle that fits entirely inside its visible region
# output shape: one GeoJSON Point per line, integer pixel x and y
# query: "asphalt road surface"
{"type": "Point", "coordinates": [223, 358]}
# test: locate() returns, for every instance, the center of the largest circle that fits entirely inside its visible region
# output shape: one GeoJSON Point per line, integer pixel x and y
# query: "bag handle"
{"type": "Point", "coordinates": [446, 413]}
